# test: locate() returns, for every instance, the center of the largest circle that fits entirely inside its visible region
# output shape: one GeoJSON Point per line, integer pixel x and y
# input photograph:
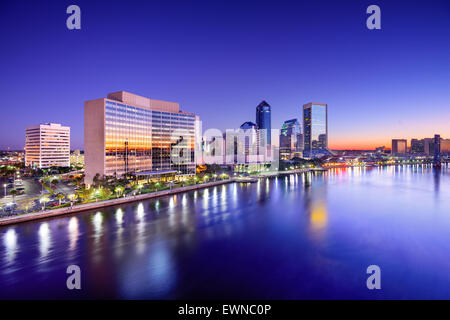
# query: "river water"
{"type": "Point", "coordinates": [305, 236]}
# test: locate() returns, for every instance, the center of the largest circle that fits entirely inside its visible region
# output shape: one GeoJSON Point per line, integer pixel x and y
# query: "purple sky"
{"type": "Point", "coordinates": [219, 59]}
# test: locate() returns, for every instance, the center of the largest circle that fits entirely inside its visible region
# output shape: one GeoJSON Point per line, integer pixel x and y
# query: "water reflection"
{"type": "Point", "coordinates": [140, 227]}
{"type": "Point", "coordinates": [436, 180]}
{"type": "Point", "coordinates": [73, 233]}
{"type": "Point", "coordinates": [140, 214]}
{"type": "Point", "coordinates": [318, 215]}
{"type": "Point", "coordinates": [256, 234]}
{"type": "Point", "coordinates": [44, 240]}
{"type": "Point", "coordinates": [10, 242]}
{"type": "Point", "coordinates": [119, 217]}
{"type": "Point", "coordinates": [97, 221]}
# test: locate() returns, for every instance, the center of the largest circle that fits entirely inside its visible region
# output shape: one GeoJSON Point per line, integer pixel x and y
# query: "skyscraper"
{"type": "Point", "coordinates": [47, 145]}
{"type": "Point", "coordinates": [399, 146]}
{"type": "Point", "coordinates": [126, 133]}
{"type": "Point", "coordinates": [437, 148]}
{"type": "Point", "coordinates": [428, 146]}
{"type": "Point", "coordinates": [263, 115]}
{"type": "Point", "coordinates": [291, 140]}
{"type": "Point", "coordinates": [417, 146]}
{"type": "Point", "coordinates": [315, 126]}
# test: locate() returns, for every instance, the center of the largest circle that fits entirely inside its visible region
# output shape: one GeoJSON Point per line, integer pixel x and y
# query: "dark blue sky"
{"type": "Point", "coordinates": [219, 59]}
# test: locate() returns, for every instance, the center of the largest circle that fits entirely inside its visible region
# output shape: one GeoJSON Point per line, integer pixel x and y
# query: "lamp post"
{"type": "Point", "coordinates": [71, 198]}
{"type": "Point", "coordinates": [43, 200]}
{"type": "Point", "coordinates": [5, 185]}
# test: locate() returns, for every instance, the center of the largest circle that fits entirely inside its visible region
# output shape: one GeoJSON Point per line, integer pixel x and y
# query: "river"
{"type": "Point", "coordinates": [302, 236]}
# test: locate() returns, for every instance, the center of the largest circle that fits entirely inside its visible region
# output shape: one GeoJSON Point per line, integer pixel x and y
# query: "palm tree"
{"type": "Point", "coordinates": [96, 180]}
{"type": "Point", "coordinates": [103, 181]}
{"type": "Point", "coordinates": [118, 190]}
{"type": "Point", "coordinates": [60, 196]}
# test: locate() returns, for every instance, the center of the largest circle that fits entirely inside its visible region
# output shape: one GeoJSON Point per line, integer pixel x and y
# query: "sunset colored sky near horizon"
{"type": "Point", "coordinates": [219, 59]}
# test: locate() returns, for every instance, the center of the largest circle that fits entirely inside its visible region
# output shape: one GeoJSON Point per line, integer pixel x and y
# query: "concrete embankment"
{"type": "Point", "coordinates": [106, 203]}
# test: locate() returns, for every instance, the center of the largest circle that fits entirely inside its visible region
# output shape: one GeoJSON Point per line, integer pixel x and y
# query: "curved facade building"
{"type": "Point", "coordinates": [126, 133]}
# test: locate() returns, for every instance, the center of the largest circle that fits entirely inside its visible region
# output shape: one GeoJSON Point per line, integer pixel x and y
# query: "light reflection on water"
{"type": "Point", "coordinates": [284, 237]}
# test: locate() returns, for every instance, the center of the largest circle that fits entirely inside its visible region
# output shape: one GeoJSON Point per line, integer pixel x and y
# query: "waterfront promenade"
{"type": "Point", "coordinates": [106, 203]}
{"type": "Point", "coordinates": [112, 202]}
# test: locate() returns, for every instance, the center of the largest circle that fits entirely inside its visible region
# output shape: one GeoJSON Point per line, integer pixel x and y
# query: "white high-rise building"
{"type": "Point", "coordinates": [47, 145]}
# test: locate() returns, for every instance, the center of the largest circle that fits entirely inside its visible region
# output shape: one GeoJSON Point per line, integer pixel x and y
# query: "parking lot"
{"type": "Point", "coordinates": [30, 189]}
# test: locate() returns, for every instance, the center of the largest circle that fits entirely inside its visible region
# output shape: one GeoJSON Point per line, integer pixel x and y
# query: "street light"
{"type": "Point", "coordinates": [44, 200]}
{"type": "Point", "coordinates": [72, 197]}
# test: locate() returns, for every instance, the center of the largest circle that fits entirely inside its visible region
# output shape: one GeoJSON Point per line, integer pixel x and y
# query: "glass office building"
{"type": "Point", "coordinates": [263, 115]}
{"type": "Point", "coordinates": [127, 134]}
{"type": "Point", "coordinates": [315, 126]}
{"type": "Point", "coordinates": [291, 140]}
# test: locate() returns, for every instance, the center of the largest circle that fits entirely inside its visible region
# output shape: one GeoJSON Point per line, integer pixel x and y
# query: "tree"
{"type": "Point", "coordinates": [119, 190]}
{"type": "Point", "coordinates": [96, 180]}
{"type": "Point", "coordinates": [85, 193]}
{"type": "Point", "coordinates": [60, 196]}
{"type": "Point", "coordinates": [106, 192]}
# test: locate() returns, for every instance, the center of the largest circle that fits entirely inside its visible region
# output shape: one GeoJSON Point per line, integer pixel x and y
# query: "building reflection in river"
{"type": "Point", "coordinates": [240, 240]}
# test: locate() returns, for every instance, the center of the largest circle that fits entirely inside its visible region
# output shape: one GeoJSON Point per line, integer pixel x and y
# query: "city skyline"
{"type": "Point", "coordinates": [377, 84]}
{"type": "Point", "coordinates": [218, 158]}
